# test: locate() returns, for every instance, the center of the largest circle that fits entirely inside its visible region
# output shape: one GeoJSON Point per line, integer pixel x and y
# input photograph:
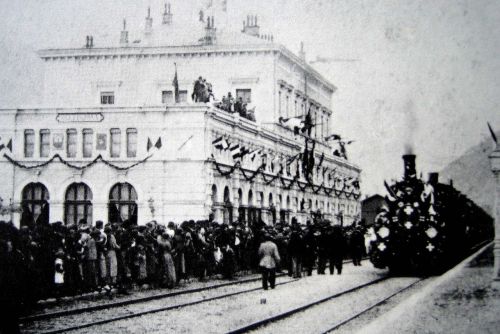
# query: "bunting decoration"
{"type": "Point", "coordinates": [286, 182]}
{"type": "Point", "coordinates": [99, 158]}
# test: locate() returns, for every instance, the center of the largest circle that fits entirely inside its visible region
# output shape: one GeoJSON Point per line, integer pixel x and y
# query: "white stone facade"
{"type": "Point", "coordinates": [113, 103]}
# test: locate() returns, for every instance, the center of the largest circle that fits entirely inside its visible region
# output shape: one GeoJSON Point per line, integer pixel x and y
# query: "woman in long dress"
{"type": "Point", "coordinates": [167, 262]}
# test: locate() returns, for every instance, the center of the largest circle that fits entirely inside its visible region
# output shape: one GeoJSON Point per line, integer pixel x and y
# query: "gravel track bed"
{"type": "Point", "coordinates": [321, 317]}
{"type": "Point", "coordinates": [220, 316]}
{"type": "Point", "coordinates": [71, 320]}
{"type": "Point", "coordinates": [358, 323]}
{"type": "Point", "coordinates": [464, 303]}
{"type": "Point", "coordinates": [101, 299]}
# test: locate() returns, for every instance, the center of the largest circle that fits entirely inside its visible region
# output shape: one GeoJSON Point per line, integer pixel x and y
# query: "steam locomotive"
{"type": "Point", "coordinates": [427, 226]}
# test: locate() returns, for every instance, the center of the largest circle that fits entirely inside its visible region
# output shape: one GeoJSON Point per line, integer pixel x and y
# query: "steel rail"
{"type": "Point", "coordinates": [345, 321]}
{"type": "Point", "coordinates": [155, 310]}
{"type": "Point", "coordinates": [291, 312]}
{"type": "Point", "coordinates": [57, 314]}
{"type": "Point", "coordinates": [105, 306]}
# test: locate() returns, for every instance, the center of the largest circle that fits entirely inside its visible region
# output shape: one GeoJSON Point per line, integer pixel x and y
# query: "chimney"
{"type": "Point", "coordinates": [302, 53]}
{"type": "Point", "coordinates": [167, 15]}
{"type": "Point", "coordinates": [251, 28]}
{"type": "Point", "coordinates": [410, 171]}
{"type": "Point", "coordinates": [124, 34]}
{"type": "Point", "coordinates": [148, 29]}
{"type": "Point", "coordinates": [433, 179]}
{"type": "Point", "coordinates": [210, 32]}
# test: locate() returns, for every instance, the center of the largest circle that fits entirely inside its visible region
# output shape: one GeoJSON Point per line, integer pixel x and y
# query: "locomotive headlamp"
{"type": "Point", "coordinates": [383, 232]}
{"type": "Point", "coordinates": [431, 232]}
{"type": "Point", "coordinates": [381, 246]}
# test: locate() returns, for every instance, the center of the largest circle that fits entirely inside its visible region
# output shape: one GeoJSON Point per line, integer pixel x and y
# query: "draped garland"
{"type": "Point", "coordinates": [300, 184]}
{"type": "Point", "coordinates": [99, 158]}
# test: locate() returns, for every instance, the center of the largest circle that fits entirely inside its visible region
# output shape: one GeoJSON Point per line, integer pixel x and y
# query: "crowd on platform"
{"type": "Point", "coordinates": [55, 260]}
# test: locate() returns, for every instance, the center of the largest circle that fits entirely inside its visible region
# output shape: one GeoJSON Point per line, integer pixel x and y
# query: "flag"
{"type": "Point", "coordinates": [333, 137]}
{"type": "Point", "coordinates": [176, 85]}
{"type": "Point", "coordinates": [320, 161]}
{"type": "Point", "coordinates": [492, 133]}
{"type": "Point", "coordinates": [221, 143]}
{"type": "Point", "coordinates": [292, 159]}
{"type": "Point", "coordinates": [9, 145]}
{"type": "Point", "coordinates": [243, 151]}
{"type": "Point", "coordinates": [235, 150]}
{"type": "Point", "coordinates": [2, 146]}
{"type": "Point", "coordinates": [158, 143]}
{"type": "Point", "coordinates": [308, 125]}
{"type": "Point", "coordinates": [350, 142]}
{"type": "Point", "coordinates": [391, 192]}
{"type": "Point", "coordinates": [295, 123]}
{"type": "Point", "coordinates": [254, 153]}
{"type": "Point", "coordinates": [149, 145]}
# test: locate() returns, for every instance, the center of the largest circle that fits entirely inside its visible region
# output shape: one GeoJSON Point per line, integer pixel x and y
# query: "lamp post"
{"type": "Point", "coordinates": [495, 168]}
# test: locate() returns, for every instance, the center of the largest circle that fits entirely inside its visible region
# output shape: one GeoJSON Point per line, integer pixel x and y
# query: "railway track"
{"type": "Point", "coordinates": [105, 306]}
{"type": "Point", "coordinates": [264, 322]}
{"type": "Point", "coordinates": [152, 310]}
{"type": "Point", "coordinates": [122, 303]}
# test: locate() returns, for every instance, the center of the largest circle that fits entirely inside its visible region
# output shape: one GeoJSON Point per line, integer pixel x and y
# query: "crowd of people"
{"type": "Point", "coordinates": [202, 92]}
{"type": "Point", "coordinates": [232, 105]}
{"type": "Point", "coordinates": [55, 260]}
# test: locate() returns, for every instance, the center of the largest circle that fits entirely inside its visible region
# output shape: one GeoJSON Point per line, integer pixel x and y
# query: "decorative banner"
{"type": "Point", "coordinates": [58, 141]}
{"type": "Point", "coordinates": [101, 142]}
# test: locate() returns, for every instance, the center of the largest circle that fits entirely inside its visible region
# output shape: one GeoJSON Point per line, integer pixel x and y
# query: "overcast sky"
{"type": "Point", "coordinates": [423, 73]}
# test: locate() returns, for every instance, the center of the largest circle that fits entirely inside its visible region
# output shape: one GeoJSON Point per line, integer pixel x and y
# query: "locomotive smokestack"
{"type": "Point", "coordinates": [409, 165]}
{"type": "Point", "coordinates": [433, 179]}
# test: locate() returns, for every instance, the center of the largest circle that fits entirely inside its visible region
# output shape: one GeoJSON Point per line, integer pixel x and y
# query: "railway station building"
{"type": "Point", "coordinates": [109, 142]}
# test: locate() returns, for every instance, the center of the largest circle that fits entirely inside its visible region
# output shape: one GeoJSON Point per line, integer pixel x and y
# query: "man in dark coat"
{"type": "Point", "coordinates": [337, 248]}
{"type": "Point", "coordinates": [296, 250]}
{"type": "Point", "coordinates": [309, 256]}
{"type": "Point", "coordinates": [357, 245]}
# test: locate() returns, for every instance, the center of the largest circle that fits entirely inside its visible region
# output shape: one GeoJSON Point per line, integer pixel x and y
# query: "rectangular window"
{"type": "Point", "coordinates": [107, 97]}
{"type": "Point", "coordinates": [245, 94]}
{"type": "Point", "coordinates": [183, 96]}
{"type": "Point", "coordinates": [87, 142]}
{"type": "Point", "coordinates": [44, 143]}
{"type": "Point", "coordinates": [71, 143]}
{"type": "Point", "coordinates": [29, 143]}
{"type": "Point", "coordinates": [115, 143]}
{"type": "Point", "coordinates": [167, 96]}
{"type": "Point", "coordinates": [131, 143]}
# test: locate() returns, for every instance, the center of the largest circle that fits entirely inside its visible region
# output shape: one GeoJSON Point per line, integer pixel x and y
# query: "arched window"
{"type": "Point", "coordinates": [214, 194]}
{"type": "Point", "coordinates": [35, 205]}
{"type": "Point", "coordinates": [122, 204]}
{"type": "Point", "coordinates": [272, 208]}
{"type": "Point", "coordinates": [78, 204]}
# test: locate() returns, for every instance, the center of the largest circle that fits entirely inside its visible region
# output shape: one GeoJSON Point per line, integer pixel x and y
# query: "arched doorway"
{"type": "Point", "coordinates": [35, 205]}
{"type": "Point", "coordinates": [122, 204]}
{"type": "Point", "coordinates": [227, 214]}
{"type": "Point", "coordinates": [78, 204]}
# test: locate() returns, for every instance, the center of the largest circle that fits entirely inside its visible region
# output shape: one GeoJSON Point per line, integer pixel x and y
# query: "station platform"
{"type": "Point", "coordinates": [461, 301]}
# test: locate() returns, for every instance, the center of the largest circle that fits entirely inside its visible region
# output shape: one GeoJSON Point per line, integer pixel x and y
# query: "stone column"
{"type": "Point", "coordinates": [495, 167]}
